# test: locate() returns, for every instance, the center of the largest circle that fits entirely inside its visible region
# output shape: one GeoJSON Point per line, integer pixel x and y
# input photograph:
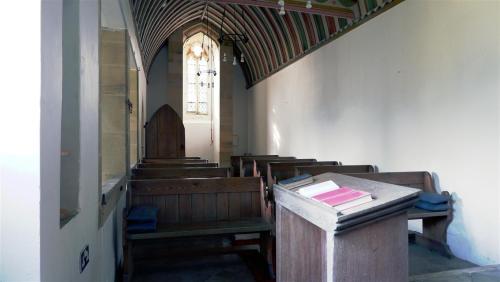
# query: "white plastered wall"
{"type": "Point", "coordinates": [416, 88]}
{"type": "Point", "coordinates": [20, 143]}
{"type": "Point", "coordinates": [60, 247]}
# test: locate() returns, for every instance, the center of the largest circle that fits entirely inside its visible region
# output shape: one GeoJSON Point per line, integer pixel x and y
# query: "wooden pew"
{"type": "Point", "coordinates": [197, 208]}
{"type": "Point", "coordinates": [175, 165]}
{"type": "Point", "coordinates": [235, 162]}
{"type": "Point", "coordinates": [173, 161]}
{"type": "Point", "coordinates": [277, 171]}
{"type": "Point", "coordinates": [315, 170]}
{"type": "Point", "coordinates": [261, 165]}
{"type": "Point", "coordinates": [179, 158]}
{"type": "Point", "coordinates": [188, 172]}
{"type": "Point", "coordinates": [247, 164]}
{"type": "Point", "coordinates": [435, 224]}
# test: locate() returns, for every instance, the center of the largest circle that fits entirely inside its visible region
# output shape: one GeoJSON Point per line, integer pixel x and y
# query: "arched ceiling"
{"type": "Point", "coordinates": [274, 40]}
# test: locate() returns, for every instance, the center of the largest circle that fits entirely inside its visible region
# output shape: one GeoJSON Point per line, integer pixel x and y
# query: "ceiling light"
{"type": "Point", "coordinates": [234, 61]}
{"type": "Point", "coordinates": [309, 4]}
{"type": "Point", "coordinates": [282, 11]}
{"type": "Point", "coordinates": [242, 59]}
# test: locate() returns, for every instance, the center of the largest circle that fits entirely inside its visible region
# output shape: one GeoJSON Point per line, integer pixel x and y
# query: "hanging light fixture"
{"type": "Point", "coordinates": [281, 3]}
{"type": "Point", "coordinates": [233, 38]}
{"type": "Point", "coordinates": [309, 4]}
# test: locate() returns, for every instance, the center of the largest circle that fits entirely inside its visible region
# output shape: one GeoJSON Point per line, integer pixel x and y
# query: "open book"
{"type": "Point", "coordinates": [330, 194]}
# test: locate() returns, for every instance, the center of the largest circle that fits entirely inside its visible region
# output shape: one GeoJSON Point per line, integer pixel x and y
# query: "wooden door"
{"type": "Point", "coordinates": [165, 135]}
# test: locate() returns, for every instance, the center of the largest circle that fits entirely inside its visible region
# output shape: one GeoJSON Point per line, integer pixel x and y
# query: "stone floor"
{"type": "Point", "coordinates": [425, 266]}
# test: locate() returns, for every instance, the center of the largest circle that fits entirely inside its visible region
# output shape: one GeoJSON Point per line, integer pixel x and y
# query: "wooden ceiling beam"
{"type": "Point", "coordinates": [296, 6]}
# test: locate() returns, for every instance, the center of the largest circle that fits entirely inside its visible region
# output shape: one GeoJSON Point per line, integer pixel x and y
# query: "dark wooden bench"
{"type": "Point", "coordinates": [315, 170]}
{"type": "Point", "coordinates": [179, 158]}
{"type": "Point", "coordinates": [173, 165]}
{"type": "Point", "coordinates": [247, 164]}
{"type": "Point", "coordinates": [188, 172]}
{"type": "Point", "coordinates": [235, 162]}
{"type": "Point", "coordinates": [261, 166]}
{"type": "Point", "coordinates": [277, 171]}
{"type": "Point", "coordinates": [173, 161]}
{"type": "Point", "coordinates": [199, 208]}
{"type": "Point", "coordinates": [434, 224]}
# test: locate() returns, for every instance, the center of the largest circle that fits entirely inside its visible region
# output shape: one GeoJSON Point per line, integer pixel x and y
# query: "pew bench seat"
{"type": "Point", "coordinates": [251, 225]}
{"type": "Point", "coordinates": [416, 213]}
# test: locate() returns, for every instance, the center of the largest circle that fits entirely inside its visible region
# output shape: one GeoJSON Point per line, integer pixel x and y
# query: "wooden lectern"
{"type": "Point", "coordinates": [368, 242]}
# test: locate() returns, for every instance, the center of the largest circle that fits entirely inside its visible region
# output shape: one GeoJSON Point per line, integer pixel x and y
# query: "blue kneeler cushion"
{"type": "Point", "coordinates": [432, 198]}
{"type": "Point", "coordinates": [432, 202]}
{"type": "Point", "coordinates": [142, 219]}
{"type": "Point", "coordinates": [431, 207]}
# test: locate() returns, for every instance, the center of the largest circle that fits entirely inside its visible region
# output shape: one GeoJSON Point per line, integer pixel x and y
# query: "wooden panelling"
{"type": "Point", "coordinates": [190, 186]}
{"type": "Point", "coordinates": [377, 252]}
{"type": "Point", "coordinates": [179, 165]}
{"type": "Point", "coordinates": [173, 161]}
{"type": "Point", "coordinates": [315, 170]}
{"type": "Point", "coordinates": [190, 172]}
{"type": "Point", "coordinates": [200, 200]}
{"type": "Point", "coordinates": [301, 252]}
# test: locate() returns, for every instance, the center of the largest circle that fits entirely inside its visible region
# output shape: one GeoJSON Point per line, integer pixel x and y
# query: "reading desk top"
{"type": "Point", "coordinates": [388, 199]}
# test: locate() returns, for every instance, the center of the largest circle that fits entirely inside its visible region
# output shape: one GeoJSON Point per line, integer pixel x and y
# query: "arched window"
{"type": "Point", "coordinates": [200, 71]}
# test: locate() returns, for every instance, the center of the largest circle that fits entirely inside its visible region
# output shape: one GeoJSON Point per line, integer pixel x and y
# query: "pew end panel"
{"type": "Point", "coordinates": [235, 162]}
{"type": "Point", "coordinates": [248, 166]}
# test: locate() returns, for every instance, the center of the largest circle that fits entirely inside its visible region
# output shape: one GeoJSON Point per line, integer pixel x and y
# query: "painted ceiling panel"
{"type": "Point", "coordinates": [274, 40]}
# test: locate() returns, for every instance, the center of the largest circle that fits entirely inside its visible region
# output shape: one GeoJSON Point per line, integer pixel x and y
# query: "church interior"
{"type": "Point", "coordinates": [250, 140]}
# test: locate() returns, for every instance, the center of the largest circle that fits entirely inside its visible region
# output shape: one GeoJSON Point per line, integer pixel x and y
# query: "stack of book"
{"type": "Point", "coordinates": [296, 181]}
{"type": "Point", "coordinates": [330, 194]}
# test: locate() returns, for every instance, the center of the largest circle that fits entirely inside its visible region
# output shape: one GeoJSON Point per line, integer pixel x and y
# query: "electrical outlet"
{"type": "Point", "coordinates": [84, 258]}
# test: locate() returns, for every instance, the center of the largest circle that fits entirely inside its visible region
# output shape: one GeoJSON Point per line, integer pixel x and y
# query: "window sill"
{"type": "Point", "coordinates": [111, 192]}
{"type": "Point", "coordinates": [66, 216]}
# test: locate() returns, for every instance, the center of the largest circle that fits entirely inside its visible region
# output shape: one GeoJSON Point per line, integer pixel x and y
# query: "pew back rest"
{"type": "Point", "coordinates": [315, 170]}
{"type": "Point", "coordinates": [247, 164]}
{"type": "Point", "coordinates": [182, 201]}
{"type": "Point", "coordinates": [188, 172]}
{"type": "Point", "coordinates": [173, 161]}
{"type": "Point", "coordinates": [235, 162]}
{"type": "Point", "coordinates": [175, 165]}
{"type": "Point", "coordinates": [416, 179]}
{"type": "Point", "coordinates": [261, 165]}
{"type": "Point", "coordinates": [277, 171]}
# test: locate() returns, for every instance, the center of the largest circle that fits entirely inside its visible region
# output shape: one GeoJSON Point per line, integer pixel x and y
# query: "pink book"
{"type": "Point", "coordinates": [344, 198]}
{"type": "Point", "coordinates": [333, 193]}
